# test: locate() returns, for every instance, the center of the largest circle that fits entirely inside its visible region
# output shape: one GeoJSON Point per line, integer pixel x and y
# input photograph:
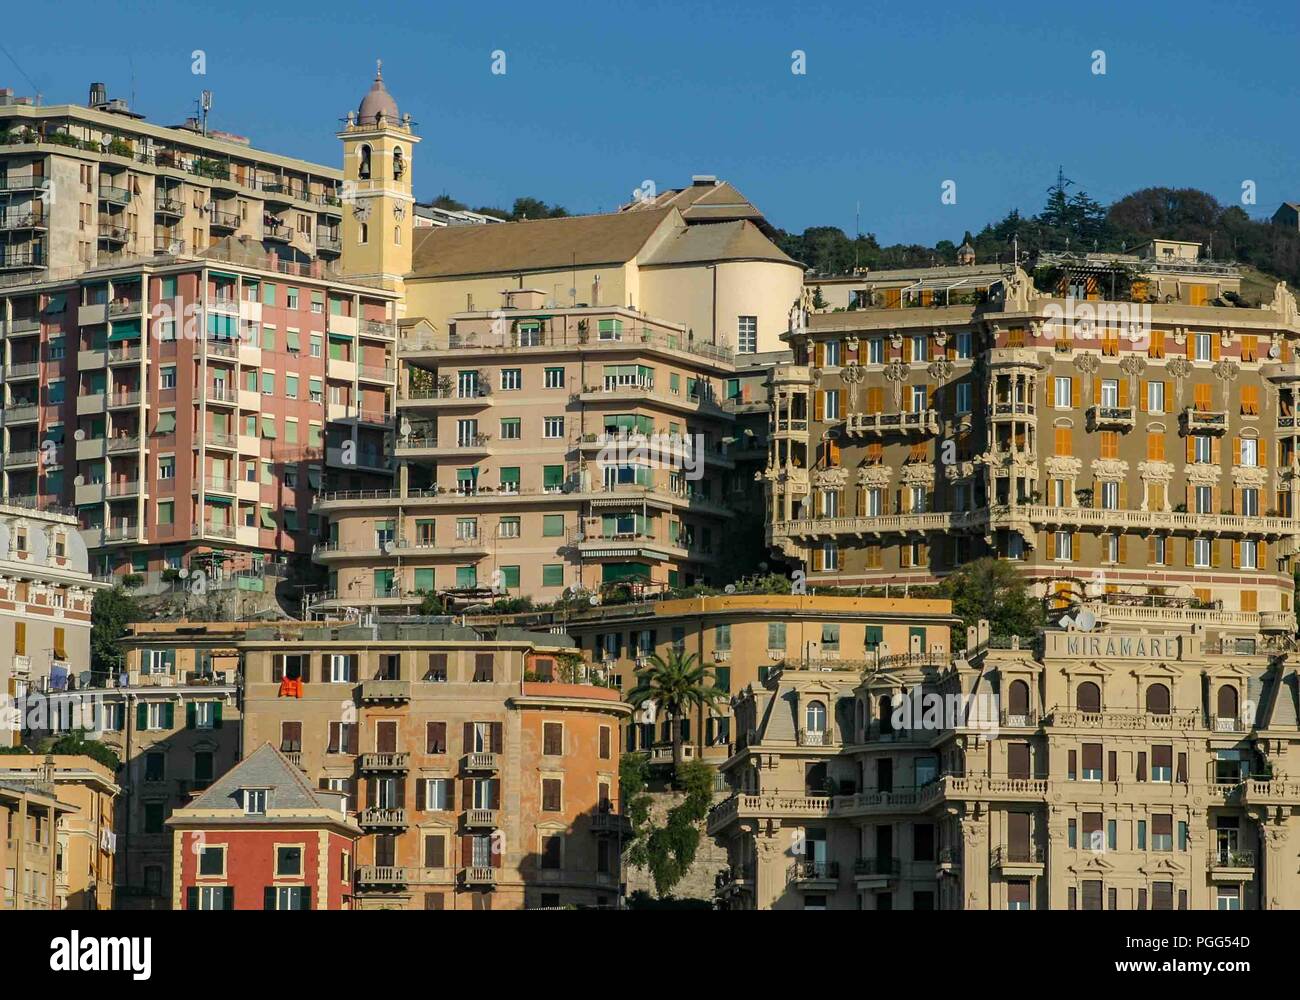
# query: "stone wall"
{"type": "Point", "coordinates": [697, 883]}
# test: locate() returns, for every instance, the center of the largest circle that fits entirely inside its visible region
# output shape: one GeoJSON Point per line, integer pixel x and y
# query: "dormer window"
{"type": "Point", "coordinates": [254, 801]}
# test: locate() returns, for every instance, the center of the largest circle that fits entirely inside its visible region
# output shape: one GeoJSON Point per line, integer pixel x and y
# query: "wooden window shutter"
{"type": "Point", "coordinates": [1123, 392]}
{"type": "Point", "coordinates": [353, 735]}
{"type": "Point", "coordinates": [1236, 451]}
{"type": "Point", "coordinates": [1261, 555]}
{"type": "Point", "coordinates": [420, 800]}
{"type": "Point", "coordinates": [1142, 396]}
{"type": "Point", "coordinates": [1142, 766]}
{"type": "Point", "coordinates": [466, 851]}
{"type": "Point", "coordinates": [816, 558]}
{"type": "Point", "coordinates": [905, 555]}
{"type": "Point", "coordinates": [1123, 548]}
{"type": "Point", "coordinates": [1051, 545]}
{"type": "Point", "coordinates": [1203, 396]}
{"type": "Point", "coordinates": [1189, 546]}
{"type": "Point", "coordinates": [497, 737]}
{"type": "Point", "coordinates": [1151, 551]}
{"type": "Point", "coordinates": [1074, 546]}
{"type": "Point", "coordinates": [451, 795]}
{"type": "Point", "coordinates": [1096, 391]}
{"type": "Point", "coordinates": [1074, 392]}
{"type": "Point", "coordinates": [435, 852]}
{"type": "Point", "coordinates": [467, 793]}
{"type": "Point", "coordinates": [832, 454]}
{"type": "Point", "coordinates": [1180, 773]}
{"type": "Point", "coordinates": [819, 404]}
{"type": "Point", "coordinates": [1214, 552]}
{"type": "Point", "coordinates": [875, 400]}
{"type": "Point", "coordinates": [1191, 348]}
{"type": "Point", "coordinates": [1216, 343]}
{"type": "Point", "coordinates": [819, 354]}
{"type": "Point", "coordinates": [1112, 766]}
{"type": "Point", "coordinates": [467, 737]}
{"type": "Point", "coordinates": [1191, 448]}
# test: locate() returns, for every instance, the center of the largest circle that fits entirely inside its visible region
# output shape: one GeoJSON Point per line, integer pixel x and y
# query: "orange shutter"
{"type": "Point", "coordinates": [819, 354]}
{"type": "Point", "coordinates": [1096, 391]}
{"type": "Point", "coordinates": [1236, 554]}
{"type": "Point", "coordinates": [1051, 545]}
{"type": "Point", "coordinates": [1191, 448]}
{"type": "Point", "coordinates": [1142, 396]}
{"type": "Point", "coordinates": [1151, 551]}
{"type": "Point", "coordinates": [875, 400]}
{"type": "Point", "coordinates": [1123, 392]}
{"type": "Point", "coordinates": [1191, 347]}
{"type": "Point", "coordinates": [1216, 345]}
{"type": "Point", "coordinates": [1249, 600]}
{"type": "Point", "coordinates": [1074, 546]}
{"type": "Point", "coordinates": [816, 558]}
{"type": "Point", "coordinates": [1261, 554]}
{"type": "Point", "coordinates": [1123, 549]}
{"type": "Point", "coordinates": [1216, 451]}
{"type": "Point", "coordinates": [819, 404]}
{"type": "Point", "coordinates": [1074, 391]}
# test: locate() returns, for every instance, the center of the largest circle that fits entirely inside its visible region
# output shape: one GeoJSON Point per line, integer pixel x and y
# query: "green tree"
{"type": "Point", "coordinates": [75, 743]}
{"type": "Point", "coordinates": [992, 589]}
{"type": "Point", "coordinates": [675, 685]}
{"type": "Point", "coordinates": [110, 614]}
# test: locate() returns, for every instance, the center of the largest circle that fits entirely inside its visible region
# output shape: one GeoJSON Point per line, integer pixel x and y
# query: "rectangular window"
{"type": "Point", "coordinates": [553, 378]}
{"type": "Point", "coordinates": [552, 427]}
{"type": "Point", "coordinates": [747, 334]}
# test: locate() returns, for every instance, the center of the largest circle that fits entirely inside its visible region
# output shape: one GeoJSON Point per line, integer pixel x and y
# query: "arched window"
{"type": "Point", "coordinates": [1158, 699]}
{"type": "Point", "coordinates": [399, 163]}
{"type": "Point", "coordinates": [886, 714]}
{"type": "Point", "coordinates": [1227, 702]}
{"type": "Point", "coordinates": [1088, 698]}
{"type": "Point", "coordinates": [1018, 704]}
{"type": "Point", "coordinates": [859, 719]}
{"type": "Point", "coordinates": [397, 236]}
{"type": "Point", "coordinates": [363, 233]}
{"type": "Point", "coordinates": [815, 717]}
{"type": "Point", "coordinates": [363, 171]}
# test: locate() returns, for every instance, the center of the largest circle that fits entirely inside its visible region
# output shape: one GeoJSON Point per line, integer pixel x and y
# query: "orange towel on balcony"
{"type": "Point", "coordinates": [290, 688]}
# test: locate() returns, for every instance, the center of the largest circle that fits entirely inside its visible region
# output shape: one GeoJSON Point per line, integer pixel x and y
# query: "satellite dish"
{"type": "Point", "coordinates": [389, 546]}
{"type": "Point", "coordinates": [405, 428]}
{"type": "Point", "coordinates": [1085, 620]}
{"type": "Point", "coordinates": [79, 481]}
{"type": "Point", "coordinates": [1274, 351]}
{"type": "Point", "coordinates": [729, 588]}
{"type": "Point", "coordinates": [183, 573]}
{"type": "Point", "coordinates": [593, 600]}
{"type": "Point", "coordinates": [79, 434]}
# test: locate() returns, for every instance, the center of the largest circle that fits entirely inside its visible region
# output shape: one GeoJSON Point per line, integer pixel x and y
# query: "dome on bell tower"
{"type": "Point", "coordinates": [377, 100]}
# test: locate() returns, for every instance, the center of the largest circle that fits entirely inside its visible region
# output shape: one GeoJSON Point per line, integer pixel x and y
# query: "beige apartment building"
{"type": "Point", "coordinates": [1116, 428]}
{"type": "Point", "coordinates": [1127, 766]}
{"type": "Point", "coordinates": [30, 814]}
{"type": "Point", "coordinates": [85, 839]}
{"type": "Point", "coordinates": [46, 593]}
{"type": "Point", "coordinates": [174, 720]}
{"type": "Point", "coordinates": [81, 185]}
{"type": "Point", "coordinates": [745, 638]}
{"type": "Point", "coordinates": [543, 449]}
{"type": "Point", "coordinates": [483, 772]}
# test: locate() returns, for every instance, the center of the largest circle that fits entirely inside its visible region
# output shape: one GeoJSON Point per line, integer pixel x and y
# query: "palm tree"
{"type": "Point", "coordinates": [675, 685]}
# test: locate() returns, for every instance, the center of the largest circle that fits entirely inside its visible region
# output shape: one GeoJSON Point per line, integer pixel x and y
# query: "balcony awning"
{"type": "Point", "coordinates": [57, 303]}
{"type": "Point", "coordinates": [166, 422]}
{"type": "Point", "coordinates": [124, 331]}
{"type": "Point", "coordinates": [223, 501]}
{"type": "Point", "coordinates": [268, 519]}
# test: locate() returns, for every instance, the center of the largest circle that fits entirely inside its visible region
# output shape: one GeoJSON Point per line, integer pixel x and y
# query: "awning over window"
{"type": "Point", "coordinates": [268, 518]}
{"type": "Point", "coordinates": [294, 341]}
{"type": "Point", "coordinates": [268, 426]}
{"type": "Point", "coordinates": [510, 475]}
{"type": "Point", "coordinates": [57, 303]}
{"type": "Point", "coordinates": [166, 422]}
{"type": "Point", "coordinates": [314, 478]}
{"type": "Point", "coordinates": [467, 475]}
{"type": "Point", "coordinates": [125, 331]}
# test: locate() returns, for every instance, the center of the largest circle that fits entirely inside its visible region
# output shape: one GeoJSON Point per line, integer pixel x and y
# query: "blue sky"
{"type": "Point", "coordinates": [596, 99]}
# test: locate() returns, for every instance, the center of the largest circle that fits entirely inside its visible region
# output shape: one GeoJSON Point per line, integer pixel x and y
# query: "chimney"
{"type": "Point", "coordinates": [98, 95]}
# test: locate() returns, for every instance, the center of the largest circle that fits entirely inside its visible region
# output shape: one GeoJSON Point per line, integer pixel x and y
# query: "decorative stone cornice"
{"type": "Point", "coordinates": [1109, 468]}
{"type": "Point", "coordinates": [874, 475]}
{"type": "Point", "coordinates": [831, 479]}
{"type": "Point", "coordinates": [1203, 473]}
{"type": "Point", "coordinates": [1063, 466]}
{"type": "Point", "coordinates": [1250, 475]}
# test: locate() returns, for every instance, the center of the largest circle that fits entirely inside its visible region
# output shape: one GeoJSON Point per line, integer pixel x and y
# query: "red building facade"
{"type": "Point", "coordinates": [261, 838]}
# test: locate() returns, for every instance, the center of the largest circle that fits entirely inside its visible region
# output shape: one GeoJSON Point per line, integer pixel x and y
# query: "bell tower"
{"type": "Point", "coordinates": [378, 203]}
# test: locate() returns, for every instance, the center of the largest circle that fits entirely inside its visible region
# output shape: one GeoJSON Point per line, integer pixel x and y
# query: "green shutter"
{"type": "Point", "coordinates": [509, 475]}
{"type": "Point", "coordinates": [216, 715]}
{"type": "Point", "coordinates": [141, 716]}
{"type": "Point", "coordinates": [553, 475]}
{"type": "Point", "coordinates": [169, 715]}
{"type": "Point", "coordinates": [424, 581]}
{"type": "Point", "coordinates": [191, 715]}
{"type": "Point", "coordinates": [553, 575]}
{"type": "Point", "coordinates": [293, 340]}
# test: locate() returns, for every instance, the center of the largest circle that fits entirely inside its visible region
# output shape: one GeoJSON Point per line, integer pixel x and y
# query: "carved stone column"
{"type": "Point", "coordinates": [770, 861]}
{"type": "Point", "coordinates": [975, 858]}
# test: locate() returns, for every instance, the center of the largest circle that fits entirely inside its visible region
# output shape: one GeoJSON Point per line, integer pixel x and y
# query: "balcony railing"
{"type": "Point", "coordinates": [383, 817]}
{"type": "Point", "coordinates": [124, 443]}
{"type": "Point", "coordinates": [479, 761]}
{"type": "Point", "coordinates": [1225, 857]}
{"type": "Point", "coordinates": [114, 194]}
{"type": "Point", "coordinates": [381, 875]}
{"type": "Point", "coordinates": [919, 421]}
{"type": "Point", "coordinates": [813, 871]}
{"type": "Point", "coordinates": [481, 818]}
{"type": "Point", "coordinates": [1121, 417]}
{"type": "Point", "coordinates": [1205, 421]}
{"type": "Point", "coordinates": [1031, 854]}
{"type": "Point", "coordinates": [385, 761]}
